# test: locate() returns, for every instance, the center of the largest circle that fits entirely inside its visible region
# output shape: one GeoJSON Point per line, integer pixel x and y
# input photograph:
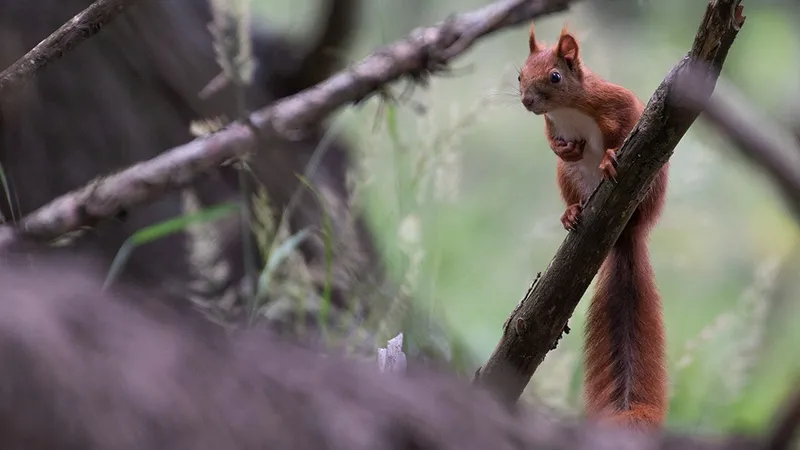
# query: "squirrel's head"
{"type": "Point", "coordinates": [552, 77]}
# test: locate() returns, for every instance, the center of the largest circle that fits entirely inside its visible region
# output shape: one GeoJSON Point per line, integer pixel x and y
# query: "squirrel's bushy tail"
{"type": "Point", "coordinates": [626, 373]}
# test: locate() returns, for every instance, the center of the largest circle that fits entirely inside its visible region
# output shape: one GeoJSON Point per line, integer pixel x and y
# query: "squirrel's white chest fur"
{"type": "Point", "coordinates": [571, 124]}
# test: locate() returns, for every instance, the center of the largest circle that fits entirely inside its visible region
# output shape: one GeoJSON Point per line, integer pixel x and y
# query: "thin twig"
{"type": "Point", "coordinates": [540, 319]}
{"type": "Point", "coordinates": [424, 51]}
{"type": "Point", "coordinates": [84, 25]}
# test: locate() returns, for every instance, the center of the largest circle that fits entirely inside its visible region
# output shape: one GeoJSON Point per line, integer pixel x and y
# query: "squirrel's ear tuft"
{"type": "Point", "coordinates": [533, 44]}
{"type": "Point", "coordinates": [567, 47]}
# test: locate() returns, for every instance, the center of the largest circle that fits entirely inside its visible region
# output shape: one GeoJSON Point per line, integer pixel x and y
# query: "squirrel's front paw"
{"type": "Point", "coordinates": [569, 151]}
{"type": "Point", "coordinates": [608, 165]}
{"type": "Point", "coordinates": [572, 216]}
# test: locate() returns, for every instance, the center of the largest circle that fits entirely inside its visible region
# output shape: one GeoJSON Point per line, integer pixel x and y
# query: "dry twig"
{"type": "Point", "coordinates": [84, 25]}
{"type": "Point", "coordinates": [539, 321]}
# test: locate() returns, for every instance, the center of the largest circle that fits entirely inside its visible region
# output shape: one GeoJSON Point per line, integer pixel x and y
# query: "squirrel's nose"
{"type": "Point", "coordinates": [527, 101]}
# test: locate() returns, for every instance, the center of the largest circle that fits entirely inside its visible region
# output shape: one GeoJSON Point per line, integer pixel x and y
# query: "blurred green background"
{"type": "Point", "coordinates": [466, 191]}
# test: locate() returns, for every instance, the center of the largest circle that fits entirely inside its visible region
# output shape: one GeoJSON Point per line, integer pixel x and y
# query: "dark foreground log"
{"type": "Point", "coordinates": [87, 371]}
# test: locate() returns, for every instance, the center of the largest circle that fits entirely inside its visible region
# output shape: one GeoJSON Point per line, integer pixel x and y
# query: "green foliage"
{"type": "Point", "coordinates": [278, 256]}
{"type": "Point", "coordinates": [163, 229]}
{"type": "Point", "coordinates": [7, 192]}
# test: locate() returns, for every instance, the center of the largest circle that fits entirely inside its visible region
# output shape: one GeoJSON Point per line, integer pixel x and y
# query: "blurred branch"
{"type": "Point", "coordinates": [84, 25]}
{"type": "Point", "coordinates": [248, 390]}
{"type": "Point", "coordinates": [763, 143]}
{"type": "Point", "coordinates": [423, 52]}
{"type": "Point", "coordinates": [539, 320]}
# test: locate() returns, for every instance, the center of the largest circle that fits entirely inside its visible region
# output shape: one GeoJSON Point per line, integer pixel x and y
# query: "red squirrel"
{"type": "Point", "coordinates": [586, 121]}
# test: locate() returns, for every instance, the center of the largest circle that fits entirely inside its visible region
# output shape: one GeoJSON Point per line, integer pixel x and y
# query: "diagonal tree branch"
{"type": "Point", "coordinates": [424, 51]}
{"type": "Point", "coordinates": [84, 25]}
{"type": "Point", "coordinates": [538, 321]}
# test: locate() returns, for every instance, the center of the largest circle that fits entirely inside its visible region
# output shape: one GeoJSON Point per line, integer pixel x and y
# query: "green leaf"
{"type": "Point", "coordinates": [391, 122]}
{"type": "Point", "coordinates": [327, 231]}
{"type": "Point", "coordinates": [162, 229]}
{"type": "Point", "coordinates": [278, 256]}
{"type": "Point", "coordinates": [7, 190]}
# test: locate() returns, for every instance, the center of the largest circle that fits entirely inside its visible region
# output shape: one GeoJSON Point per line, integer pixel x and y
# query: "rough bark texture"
{"type": "Point", "coordinates": [539, 320]}
{"type": "Point", "coordinates": [81, 27]}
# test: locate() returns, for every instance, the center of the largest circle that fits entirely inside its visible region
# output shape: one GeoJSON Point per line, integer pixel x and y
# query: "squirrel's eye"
{"type": "Point", "coordinates": [519, 77]}
{"type": "Point", "coordinates": [555, 77]}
